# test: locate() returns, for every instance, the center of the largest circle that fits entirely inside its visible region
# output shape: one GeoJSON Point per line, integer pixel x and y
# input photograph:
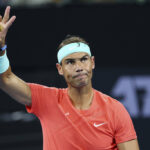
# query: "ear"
{"type": "Point", "coordinates": [93, 62]}
{"type": "Point", "coordinates": [59, 68]}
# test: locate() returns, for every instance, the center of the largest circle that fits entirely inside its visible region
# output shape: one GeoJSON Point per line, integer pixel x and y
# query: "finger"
{"type": "Point", "coordinates": [0, 18]}
{"type": "Point", "coordinates": [11, 20]}
{"type": "Point", "coordinates": [1, 28]}
{"type": "Point", "coordinates": [6, 15]}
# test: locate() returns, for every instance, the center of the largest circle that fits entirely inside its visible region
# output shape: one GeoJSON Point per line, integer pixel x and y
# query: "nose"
{"type": "Point", "coordinates": [78, 66]}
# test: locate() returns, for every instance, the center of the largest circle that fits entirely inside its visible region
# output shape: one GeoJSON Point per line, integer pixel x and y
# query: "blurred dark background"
{"type": "Point", "coordinates": [118, 33]}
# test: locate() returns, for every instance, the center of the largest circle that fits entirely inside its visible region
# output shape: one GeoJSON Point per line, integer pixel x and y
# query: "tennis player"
{"type": "Point", "coordinates": [78, 117]}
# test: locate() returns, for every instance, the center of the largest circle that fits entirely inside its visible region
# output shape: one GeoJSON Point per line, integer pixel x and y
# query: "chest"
{"type": "Point", "coordinates": [77, 130]}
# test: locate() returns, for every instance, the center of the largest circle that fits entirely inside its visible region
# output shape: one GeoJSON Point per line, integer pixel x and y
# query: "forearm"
{"type": "Point", "coordinates": [4, 77]}
{"type": "Point", "coordinates": [11, 84]}
{"type": "Point", "coordinates": [15, 87]}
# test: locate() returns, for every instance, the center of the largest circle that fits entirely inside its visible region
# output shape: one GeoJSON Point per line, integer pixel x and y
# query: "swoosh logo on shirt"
{"type": "Point", "coordinates": [66, 114]}
{"type": "Point", "coordinates": [97, 125]}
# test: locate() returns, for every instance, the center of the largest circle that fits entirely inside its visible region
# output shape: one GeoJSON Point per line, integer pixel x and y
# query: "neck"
{"type": "Point", "coordinates": [81, 98]}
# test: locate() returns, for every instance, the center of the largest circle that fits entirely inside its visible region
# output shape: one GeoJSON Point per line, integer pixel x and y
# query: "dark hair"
{"type": "Point", "coordinates": [72, 39]}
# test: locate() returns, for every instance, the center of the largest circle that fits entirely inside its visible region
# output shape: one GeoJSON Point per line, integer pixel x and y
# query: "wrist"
{"type": "Point", "coordinates": [4, 63]}
{"type": "Point", "coordinates": [2, 50]}
{"type": "Point", "coordinates": [2, 43]}
{"type": "Point", "coordinates": [2, 53]}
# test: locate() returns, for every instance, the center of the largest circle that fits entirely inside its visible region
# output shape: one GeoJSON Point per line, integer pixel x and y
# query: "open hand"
{"type": "Point", "coordinates": [5, 23]}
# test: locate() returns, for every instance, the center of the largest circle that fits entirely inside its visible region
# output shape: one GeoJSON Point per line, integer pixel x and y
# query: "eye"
{"type": "Point", "coordinates": [70, 62]}
{"type": "Point", "coordinates": [84, 59]}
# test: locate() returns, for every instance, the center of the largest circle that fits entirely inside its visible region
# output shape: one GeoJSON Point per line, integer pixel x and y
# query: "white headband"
{"type": "Point", "coordinates": [72, 48]}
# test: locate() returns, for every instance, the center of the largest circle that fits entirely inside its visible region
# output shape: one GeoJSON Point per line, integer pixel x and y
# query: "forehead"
{"type": "Point", "coordinates": [76, 55]}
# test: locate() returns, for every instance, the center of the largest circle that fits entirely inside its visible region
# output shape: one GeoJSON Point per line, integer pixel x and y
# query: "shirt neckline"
{"type": "Point", "coordinates": [83, 111]}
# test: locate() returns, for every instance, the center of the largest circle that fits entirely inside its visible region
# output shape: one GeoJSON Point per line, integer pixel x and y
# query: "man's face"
{"type": "Point", "coordinates": [77, 69]}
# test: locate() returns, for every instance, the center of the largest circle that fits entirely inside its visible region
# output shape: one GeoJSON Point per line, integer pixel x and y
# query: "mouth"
{"type": "Point", "coordinates": [80, 75]}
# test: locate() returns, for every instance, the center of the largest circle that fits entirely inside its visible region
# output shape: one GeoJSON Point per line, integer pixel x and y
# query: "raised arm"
{"type": "Point", "coordinates": [9, 82]}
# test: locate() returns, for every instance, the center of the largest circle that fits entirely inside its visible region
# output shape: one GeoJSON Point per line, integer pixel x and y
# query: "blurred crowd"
{"type": "Point", "coordinates": [45, 2]}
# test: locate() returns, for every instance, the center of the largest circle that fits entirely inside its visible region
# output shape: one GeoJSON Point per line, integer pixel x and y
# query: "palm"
{"type": "Point", "coordinates": [5, 23]}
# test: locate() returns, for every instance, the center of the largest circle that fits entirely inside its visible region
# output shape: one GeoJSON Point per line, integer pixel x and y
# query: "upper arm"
{"type": "Point", "coordinates": [124, 128]}
{"type": "Point", "coordinates": [129, 145]}
{"type": "Point", "coordinates": [16, 88]}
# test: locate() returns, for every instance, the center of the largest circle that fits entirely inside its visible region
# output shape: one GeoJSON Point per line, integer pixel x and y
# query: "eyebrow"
{"type": "Point", "coordinates": [68, 59]}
